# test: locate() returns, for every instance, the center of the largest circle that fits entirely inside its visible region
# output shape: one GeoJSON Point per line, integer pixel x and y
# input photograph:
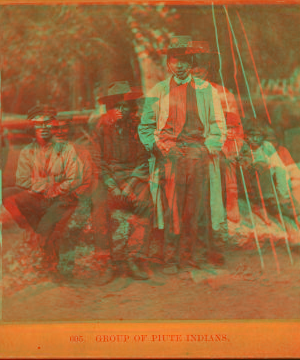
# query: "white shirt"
{"type": "Point", "coordinates": [184, 81]}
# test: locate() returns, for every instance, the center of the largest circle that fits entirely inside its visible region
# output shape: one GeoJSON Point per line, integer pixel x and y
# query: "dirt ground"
{"type": "Point", "coordinates": [240, 289]}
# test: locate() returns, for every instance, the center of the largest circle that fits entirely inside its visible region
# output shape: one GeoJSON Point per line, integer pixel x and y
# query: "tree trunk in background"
{"type": "Point", "coordinates": [151, 72]}
{"type": "Point", "coordinates": [75, 87]}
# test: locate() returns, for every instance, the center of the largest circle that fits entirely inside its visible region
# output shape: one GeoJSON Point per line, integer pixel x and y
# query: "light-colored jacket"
{"type": "Point", "coordinates": [57, 165]}
{"type": "Point", "coordinates": [154, 118]}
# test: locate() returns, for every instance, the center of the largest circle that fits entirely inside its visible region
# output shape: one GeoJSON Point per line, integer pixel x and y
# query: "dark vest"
{"type": "Point", "coordinates": [193, 128]}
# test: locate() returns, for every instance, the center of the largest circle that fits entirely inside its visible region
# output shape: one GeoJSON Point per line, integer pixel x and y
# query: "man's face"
{"type": "Point", "coordinates": [180, 65]}
{"type": "Point", "coordinates": [272, 138]}
{"type": "Point", "coordinates": [60, 130]}
{"type": "Point", "coordinates": [255, 139]}
{"type": "Point", "coordinates": [122, 109]}
{"type": "Point", "coordinates": [201, 69]}
{"type": "Point", "coordinates": [42, 126]}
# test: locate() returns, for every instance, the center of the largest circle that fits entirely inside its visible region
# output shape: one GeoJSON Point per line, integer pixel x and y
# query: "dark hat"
{"type": "Point", "coordinates": [180, 45]}
{"type": "Point", "coordinates": [40, 110]}
{"type": "Point", "coordinates": [204, 47]}
{"type": "Point", "coordinates": [121, 91]}
{"type": "Point", "coordinates": [252, 126]}
{"type": "Point", "coordinates": [59, 121]}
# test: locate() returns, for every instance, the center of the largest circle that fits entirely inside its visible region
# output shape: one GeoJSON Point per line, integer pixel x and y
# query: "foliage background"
{"type": "Point", "coordinates": [62, 53]}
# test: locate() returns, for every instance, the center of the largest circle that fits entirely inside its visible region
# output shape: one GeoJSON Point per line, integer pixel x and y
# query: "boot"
{"type": "Point", "coordinates": [108, 275]}
{"type": "Point", "coordinates": [135, 271]}
{"type": "Point", "coordinates": [215, 258]}
{"type": "Point", "coordinates": [189, 264]}
{"type": "Point", "coordinates": [170, 269]}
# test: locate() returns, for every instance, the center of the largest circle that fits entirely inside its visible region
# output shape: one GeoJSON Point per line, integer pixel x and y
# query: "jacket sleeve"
{"type": "Point", "coordinates": [42, 184]}
{"type": "Point", "coordinates": [24, 169]}
{"type": "Point", "coordinates": [217, 125]}
{"type": "Point", "coordinates": [141, 171]}
{"type": "Point", "coordinates": [148, 125]}
{"type": "Point", "coordinates": [107, 175]}
{"type": "Point", "coordinates": [72, 170]}
{"type": "Point", "coordinates": [96, 146]}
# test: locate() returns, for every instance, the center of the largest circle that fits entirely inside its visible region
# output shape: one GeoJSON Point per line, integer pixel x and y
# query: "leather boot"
{"type": "Point", "coordinates": [170, 269]}
{"type": "Point", "coordinates": [136, 271]}
{"type": "Point", "coordinates": [215, 258]}
{"type": "Point", "coordinates": [108, 275]}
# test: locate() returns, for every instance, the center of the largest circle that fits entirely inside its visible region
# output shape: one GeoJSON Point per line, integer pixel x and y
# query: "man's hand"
{"type": "Point", "coordinates": [116, 193]}
{"type": "Point", "coordinates": [128, 194]}
{"type": "Point", "coordinates": [112, 116]}
{"type": "Point", "coordinates": [164, 147]}
{"type": "Point", "coordinates": [214, 153]}
{"type": "Point", "coordinates": [53, 192]}
{"type": "Point", "coordinates": [213, 146]}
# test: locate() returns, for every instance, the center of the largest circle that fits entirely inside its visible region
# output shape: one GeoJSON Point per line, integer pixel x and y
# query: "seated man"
{"type": "Point", "coordinates": [47, 177]}
{"type": "Point", "coordinates": [262, 168]}
{"type": "Point", "coordinates": [125, 173]}
{"type": "Point", "coordinates": [232, 144]}
{"type": "Point", "coordinates": [291, 168]}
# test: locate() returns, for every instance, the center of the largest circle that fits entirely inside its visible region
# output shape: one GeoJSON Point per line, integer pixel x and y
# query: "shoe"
{"type": "Point", "coordinates": [135, 271]}
{"type": "Point", "coordinates": [46, 266]}
{"type": "Point", "coordinates": [189, 264]}
{"type": "Point", "coordinates": [107, 276]}
{"type": "Point", "coordinates": [170, 269]}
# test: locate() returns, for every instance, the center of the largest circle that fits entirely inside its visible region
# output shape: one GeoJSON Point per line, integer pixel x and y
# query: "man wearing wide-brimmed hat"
{"type": "Point", "coordinates": [123, 167]}
{"type": "Point", "coordinates": [47, 177]}
{"type": "Point", "coordinates": [183, 127]}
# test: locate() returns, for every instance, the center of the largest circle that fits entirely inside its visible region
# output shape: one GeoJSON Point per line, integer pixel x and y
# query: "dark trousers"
{"type": "Point", "coordinates": [42, 214]}
{"type": "Point", "coordinates": [130, 223]}
{"type": "Point", "coordinates": [186, 199]}
{"type": "Point", "coordinates": [287, 207]}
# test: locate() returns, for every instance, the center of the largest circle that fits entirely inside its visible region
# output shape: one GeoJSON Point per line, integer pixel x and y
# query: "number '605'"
{"type": "Point", "coordinates": [77, 338]}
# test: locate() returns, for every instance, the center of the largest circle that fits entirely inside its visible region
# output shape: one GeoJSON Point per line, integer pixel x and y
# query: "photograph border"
{"type": "Point", "coordinates": [151, 339]}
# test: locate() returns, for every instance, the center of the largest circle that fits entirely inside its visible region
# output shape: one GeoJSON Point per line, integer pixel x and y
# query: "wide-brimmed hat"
{"type": "Point", "coordinates": [38, 111]}
{"type": "Point", "coordinates": [121, 91]}
{"type": "Point", "coordinates": [180, 45]}
{"type": "Point", "coordinates": [204, 47]}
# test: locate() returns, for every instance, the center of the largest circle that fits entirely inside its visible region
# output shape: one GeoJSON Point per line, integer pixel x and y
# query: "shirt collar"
{"type": "Point", "coordinates": [186, 80]}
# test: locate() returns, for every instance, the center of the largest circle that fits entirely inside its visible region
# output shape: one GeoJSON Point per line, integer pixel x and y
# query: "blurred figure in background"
{"type": "Point", "coordinates": [259, 156]}
{"type": "Point", "coordinates": [230, 149]}
{"type": "Point", "coordinates": [207, 68]}
{"type": "Point", "coordinates": [292, 169]}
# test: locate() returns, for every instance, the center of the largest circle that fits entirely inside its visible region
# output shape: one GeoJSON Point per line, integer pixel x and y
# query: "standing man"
{"type": "Point", "coordinates": [125, 174]}
{"type": "Point", "coordinates": [183, 128]}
